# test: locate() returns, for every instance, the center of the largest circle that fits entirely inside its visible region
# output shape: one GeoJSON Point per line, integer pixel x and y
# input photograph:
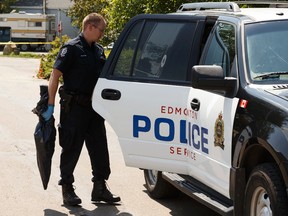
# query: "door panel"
{"type": "Point", "coordinates": [161, 122]}
{"type": "Point", "coordinates": [211, 139]}
{"type": "Point", "coordinates": [168, 134]}
{"type": "Point", "coordinates": [147, 125]}
{"type": "Point", "coordinates": [217, 113]}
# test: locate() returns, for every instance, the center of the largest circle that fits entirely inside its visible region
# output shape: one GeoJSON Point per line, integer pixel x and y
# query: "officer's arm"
{"type": "Point", "coordinates": [53, 85]}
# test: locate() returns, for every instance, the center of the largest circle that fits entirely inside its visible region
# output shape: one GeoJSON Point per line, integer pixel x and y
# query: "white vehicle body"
{"type": "Point", "coordinates": [194, 98]}
{"type": "Point", "coordinates": [180, 137]}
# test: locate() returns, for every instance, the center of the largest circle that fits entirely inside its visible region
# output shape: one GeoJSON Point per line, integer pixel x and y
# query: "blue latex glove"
{"type": "Point", "coordinates": [48, 113]}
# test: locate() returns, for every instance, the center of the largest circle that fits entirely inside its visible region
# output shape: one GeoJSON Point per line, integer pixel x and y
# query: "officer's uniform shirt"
{"type": "Point", "coordinates": [80, 64]}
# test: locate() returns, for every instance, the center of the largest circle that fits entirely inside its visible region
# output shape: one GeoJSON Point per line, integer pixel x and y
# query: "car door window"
{"type": "Point", "coordinates": [221, 50]}
{"type": "Point", "coordinates": [162, 52]}
{"type": "Point", "coordinates": [124, 62]}
{"type": "Point", "coordinates": [165, 52]}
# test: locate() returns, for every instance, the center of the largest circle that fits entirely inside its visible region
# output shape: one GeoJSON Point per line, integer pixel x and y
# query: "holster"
{"type": "Point", "coordinates": [65, 100]}
{"type": "Point", "coordinates": [68, 97]}
{"type": "Point", "coordinates": [82, 100]}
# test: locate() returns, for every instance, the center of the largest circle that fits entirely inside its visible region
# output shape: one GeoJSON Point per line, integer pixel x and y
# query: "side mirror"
{"type": "Point", "coordinates": [212, 78]}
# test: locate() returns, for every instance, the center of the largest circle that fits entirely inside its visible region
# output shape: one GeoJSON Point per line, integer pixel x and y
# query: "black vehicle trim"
{"type": "Point", "coordinates": [250, 147]}
{"type": "Point", "coordinates": [200, 192]}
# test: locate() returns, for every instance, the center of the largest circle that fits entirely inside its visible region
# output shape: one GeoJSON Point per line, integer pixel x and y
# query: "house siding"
{"type": "Point", "coordinates": [57, 7]}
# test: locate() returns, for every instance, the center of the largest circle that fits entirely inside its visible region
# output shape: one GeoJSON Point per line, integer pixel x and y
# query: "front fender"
{"type": "Point", "coordinates": [253, 146]}
{"type": "Point", "coordinates": [256, 139]}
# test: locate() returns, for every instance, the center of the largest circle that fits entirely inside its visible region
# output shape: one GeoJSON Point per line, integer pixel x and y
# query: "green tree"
{"type": "Point", "coordinates": [5, 5]}
{"type": "Point", "coordinates": [81, 8]}
{"type": "Point", "coordinates": [47, 61]}
{"type": "Point", "coordinates": [162, 6]}
{"type": "Point", "coordinates": [118, 12]}
{"type": "Point", "coordinates": [121, 11]}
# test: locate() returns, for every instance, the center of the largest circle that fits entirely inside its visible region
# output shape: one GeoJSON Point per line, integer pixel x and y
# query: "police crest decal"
{"type": "Point", "coordinates": [219, 131]}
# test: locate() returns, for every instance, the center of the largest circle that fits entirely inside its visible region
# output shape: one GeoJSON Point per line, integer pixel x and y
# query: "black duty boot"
{"type": "Point", "coordinates": [101, 193]}
{"type": "Point", "coordinates": [69, 196]}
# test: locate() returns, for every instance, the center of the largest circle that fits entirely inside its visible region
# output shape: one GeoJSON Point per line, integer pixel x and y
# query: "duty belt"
{"type": "Point", "coordinates": [83, 100]}
{"type": "Point", "coordinates": [70, 97]}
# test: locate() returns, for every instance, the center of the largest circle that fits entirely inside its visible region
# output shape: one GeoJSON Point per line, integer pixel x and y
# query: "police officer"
{"type": "Point", "coordinates": [80, 62]}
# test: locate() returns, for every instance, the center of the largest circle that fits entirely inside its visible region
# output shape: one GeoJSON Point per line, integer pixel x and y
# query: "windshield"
{"type": "Point", "coordinates": [267, 51]}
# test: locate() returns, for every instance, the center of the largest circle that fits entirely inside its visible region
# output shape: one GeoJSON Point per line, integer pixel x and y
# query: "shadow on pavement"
{"type": "Point", "coordinates": [50, 212]}
{"type": "Point", "coordinates": [185, 206]}
{"type": "Point", "coordinates": [100, 210]}
{"type": "Point", "coordinates": [181, 205]}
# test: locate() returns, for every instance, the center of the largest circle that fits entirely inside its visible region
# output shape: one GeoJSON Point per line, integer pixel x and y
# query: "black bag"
{"type": "Point", "coordinates": [45, 136]}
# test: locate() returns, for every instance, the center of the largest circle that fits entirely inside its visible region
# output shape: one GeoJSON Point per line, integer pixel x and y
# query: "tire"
{"type": "Point", "coordinates": [265, 192]}
{"type": "Point", "coordinates": [33, 47]}
{"type": "Point", "coordinates": [157, 187]}
{"type": "Point", "coordinates": [47, 47]}
{"type": "Point", "coordinates": [24, 47]}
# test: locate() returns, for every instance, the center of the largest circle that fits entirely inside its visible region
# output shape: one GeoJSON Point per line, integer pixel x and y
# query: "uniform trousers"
{"type": "Point", "coordinates": [82, 124]}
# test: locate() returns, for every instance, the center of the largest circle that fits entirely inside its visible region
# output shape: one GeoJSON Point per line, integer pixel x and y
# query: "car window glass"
{"type": "Point", "coordinates": [4, 34]}
{"type": "Point", "coordinates": [124, 62]}
{"type": "Point", "coordinates": [222, 47]}
{"type": "Point", "coordinates": [164, 51]}
{"type": "Point", "coordinates": [266, 48]}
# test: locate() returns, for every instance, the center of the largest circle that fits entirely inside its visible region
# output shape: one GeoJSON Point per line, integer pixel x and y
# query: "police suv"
{"type": "Point", "coordinates": [199, 101]}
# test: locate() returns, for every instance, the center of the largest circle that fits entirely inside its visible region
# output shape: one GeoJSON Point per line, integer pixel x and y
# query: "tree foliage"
{"type": "Point", "coordinates": [47, 61]}
{"type": "Point", "coordinates": [5, 5]}
{"type": "Point", "coordinates": [81, 8]}
{"type": "Point", "coordinates": [119, 12]}
{"type": "Point", "coordinates": [162, 6]}
{"type": "Point", "coordinates": [116, 12]}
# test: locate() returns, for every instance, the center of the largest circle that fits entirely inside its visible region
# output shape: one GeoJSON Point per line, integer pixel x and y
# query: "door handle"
{"type": "Point", "coordinates": [110, 94]}
{"type": "Point", "coordinates": [195, 104]}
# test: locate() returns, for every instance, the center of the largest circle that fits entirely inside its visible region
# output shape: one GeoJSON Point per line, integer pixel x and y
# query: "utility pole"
{"type": "Point", "coordinates": [59, 25]}
{"type": "Point", "coordinates": [44, 6]}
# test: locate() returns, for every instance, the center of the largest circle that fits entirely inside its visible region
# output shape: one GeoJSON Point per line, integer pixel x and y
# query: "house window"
{"type": "Point", "coordinates": [35, 24]}
{"type": "Point", "coordinates": [52, 25]}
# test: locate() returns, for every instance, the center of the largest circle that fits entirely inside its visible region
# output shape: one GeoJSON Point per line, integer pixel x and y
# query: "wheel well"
{"type": "Point", "coordinates": [255, 155]}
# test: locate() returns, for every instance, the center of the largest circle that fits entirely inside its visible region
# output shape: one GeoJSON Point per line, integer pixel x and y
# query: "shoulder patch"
{"type": "Point", "coordinates": [63, 52]}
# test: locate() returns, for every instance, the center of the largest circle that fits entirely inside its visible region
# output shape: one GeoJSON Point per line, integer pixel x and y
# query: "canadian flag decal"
{"type": "Point", "coordinates": [243, 103]}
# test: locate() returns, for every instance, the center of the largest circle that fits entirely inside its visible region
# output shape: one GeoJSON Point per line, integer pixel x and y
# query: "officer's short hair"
{"type": "Point", "coordinates": [93, 18]}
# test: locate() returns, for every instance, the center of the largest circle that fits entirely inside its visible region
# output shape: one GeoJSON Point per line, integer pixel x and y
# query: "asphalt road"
{"type": "Point", "coordinates": [21, 191]}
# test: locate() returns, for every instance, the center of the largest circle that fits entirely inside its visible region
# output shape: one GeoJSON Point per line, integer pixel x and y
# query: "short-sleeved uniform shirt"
{"type": "Point", "coordinates": [80, 64]}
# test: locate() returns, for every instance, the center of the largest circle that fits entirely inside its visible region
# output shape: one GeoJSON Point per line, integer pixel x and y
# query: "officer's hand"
{"type": "Point", "coordinates": [48, 113]}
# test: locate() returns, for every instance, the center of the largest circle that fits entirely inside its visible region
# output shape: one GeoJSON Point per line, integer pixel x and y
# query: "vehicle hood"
{"type": "Point", "coordinates": [279, 91]}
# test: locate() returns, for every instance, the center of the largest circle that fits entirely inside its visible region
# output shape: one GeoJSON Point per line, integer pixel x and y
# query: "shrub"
{"type": "Point", "coordinates": [47, 61]}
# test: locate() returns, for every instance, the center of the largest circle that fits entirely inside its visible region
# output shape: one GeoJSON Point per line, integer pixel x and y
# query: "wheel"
{"type": "Point", "coordinates": [47, 47]}
{"type": "Point", "coordinates": [33, 47]}
{"type": "Point", "coordinates": [24, 47]}
{"type": "Point", "coordinates": [265, 193]}
{"type": "Point", "coordinates": [156, 186]}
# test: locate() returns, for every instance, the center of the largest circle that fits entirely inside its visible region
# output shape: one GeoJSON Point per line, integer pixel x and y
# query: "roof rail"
{"type": "Point", "coordinates": [228, 6]}
{"type": "Point", "coordinates": [274, 4]}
